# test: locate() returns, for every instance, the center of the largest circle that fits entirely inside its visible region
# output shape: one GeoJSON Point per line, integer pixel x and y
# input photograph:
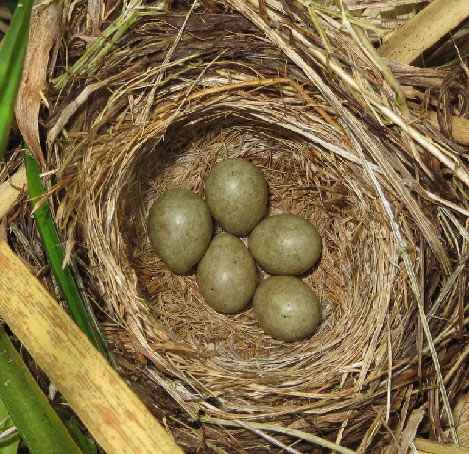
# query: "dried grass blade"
{"type": "Point", "coordinates": [433, 447]}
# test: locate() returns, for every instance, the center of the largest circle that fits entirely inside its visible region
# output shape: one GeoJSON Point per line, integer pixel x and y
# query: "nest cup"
{"type": "Point", "coordinates": [222, 370]}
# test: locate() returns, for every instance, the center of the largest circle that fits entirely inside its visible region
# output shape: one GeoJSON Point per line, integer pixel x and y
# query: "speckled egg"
{"type": "Point", "coordinates": [287, 308]}
{"type": "Point", "coordinates": [180, 228]}
{"type": "Point", "coordinates": [237, 195]}
{"type": "Point", "coordinates": [285, 244]}
{"type": "Point", "coordinates": [227, 274]}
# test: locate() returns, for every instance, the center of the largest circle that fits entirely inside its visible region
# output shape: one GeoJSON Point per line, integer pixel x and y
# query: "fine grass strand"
{"type": "Point", "coordinates": [89, 61]}
{"type": "Point", "coordinates": [55, 254]}
{"type": "Point", "coordinates": [283, 430]}
{"type": "Point", "coordinates": [36, 421]}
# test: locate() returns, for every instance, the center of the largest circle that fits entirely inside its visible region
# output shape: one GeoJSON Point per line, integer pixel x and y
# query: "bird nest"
{"type": "Point", "coordinates": [186, 89]}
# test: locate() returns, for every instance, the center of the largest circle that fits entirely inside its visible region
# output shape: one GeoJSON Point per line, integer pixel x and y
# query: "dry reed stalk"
{"type": "Point", "coordinates": [10, 191]}
{"type": "Point", "coordinates": [420, 33]}
{"type": "Point", "coordinates": [424, 30]}
{"type": "Point", "coordinates": [434, 447]}
{"type": "Point", "coordinates": [111, 412]}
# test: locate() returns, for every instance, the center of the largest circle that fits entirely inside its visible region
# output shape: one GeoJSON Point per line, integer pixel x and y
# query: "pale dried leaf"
{"type": "Point", "coordinates": [44, 31]}
{"type": "Point", "coordinates": [408, 434]}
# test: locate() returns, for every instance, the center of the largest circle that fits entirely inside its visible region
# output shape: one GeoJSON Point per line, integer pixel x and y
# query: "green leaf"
{"type": "Point", "coordinates": [87, 445]}
{"type": "Point", "coordinates": [36, 421]}
{"type": "Point", "coordinates": [80, 313]}
{"type": "Point", "coordinates": [12, 54]}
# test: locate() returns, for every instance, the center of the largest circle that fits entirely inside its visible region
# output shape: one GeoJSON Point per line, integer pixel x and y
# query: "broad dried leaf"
{"type": "Point", "coordinates": [44, 31]}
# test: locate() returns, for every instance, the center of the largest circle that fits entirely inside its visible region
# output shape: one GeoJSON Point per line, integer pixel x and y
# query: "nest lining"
{"type": "Point", "coordinates": [293, 170]}
{"type": "Point", "coordinates": [241, 97]}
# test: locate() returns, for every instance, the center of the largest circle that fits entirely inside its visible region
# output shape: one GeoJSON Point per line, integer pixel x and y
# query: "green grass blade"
{"type": "Point", "coordinates": [7, 445]}
{"type": "Point", "coordinates": [87, 445]}
{"type": "Point", "coordinates": [14, 40]}
{"type": "Point", "coordinates": [12, 55]}
{"type": "Point", "coordinates": [10, 448]}
{"type": "Point", "coordinates": [55, 254]}
{"type": "Point", "coordinates": [91, 58]}
{"type": "Point", "coordinates": [36, 421]}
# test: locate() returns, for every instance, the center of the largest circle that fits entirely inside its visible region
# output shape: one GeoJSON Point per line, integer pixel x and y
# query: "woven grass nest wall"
{"type": "Point", "coordinates": [186, 88]}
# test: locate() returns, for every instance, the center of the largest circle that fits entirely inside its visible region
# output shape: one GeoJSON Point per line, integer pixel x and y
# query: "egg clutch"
{"type": "Point", "coordinates": [181, 226]}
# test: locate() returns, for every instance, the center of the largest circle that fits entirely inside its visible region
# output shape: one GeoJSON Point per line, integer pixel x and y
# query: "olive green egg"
{"type": "Point", "coordinates": [237, 195]}
{"type": "Point", "coordinates": [227, 274]}
{"type": "Point", "coordinates": [180, 228]}
{"type": "Point", "coordinates": [285, 244]}
{"type": "Point", "coordinates": [287, 308]}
